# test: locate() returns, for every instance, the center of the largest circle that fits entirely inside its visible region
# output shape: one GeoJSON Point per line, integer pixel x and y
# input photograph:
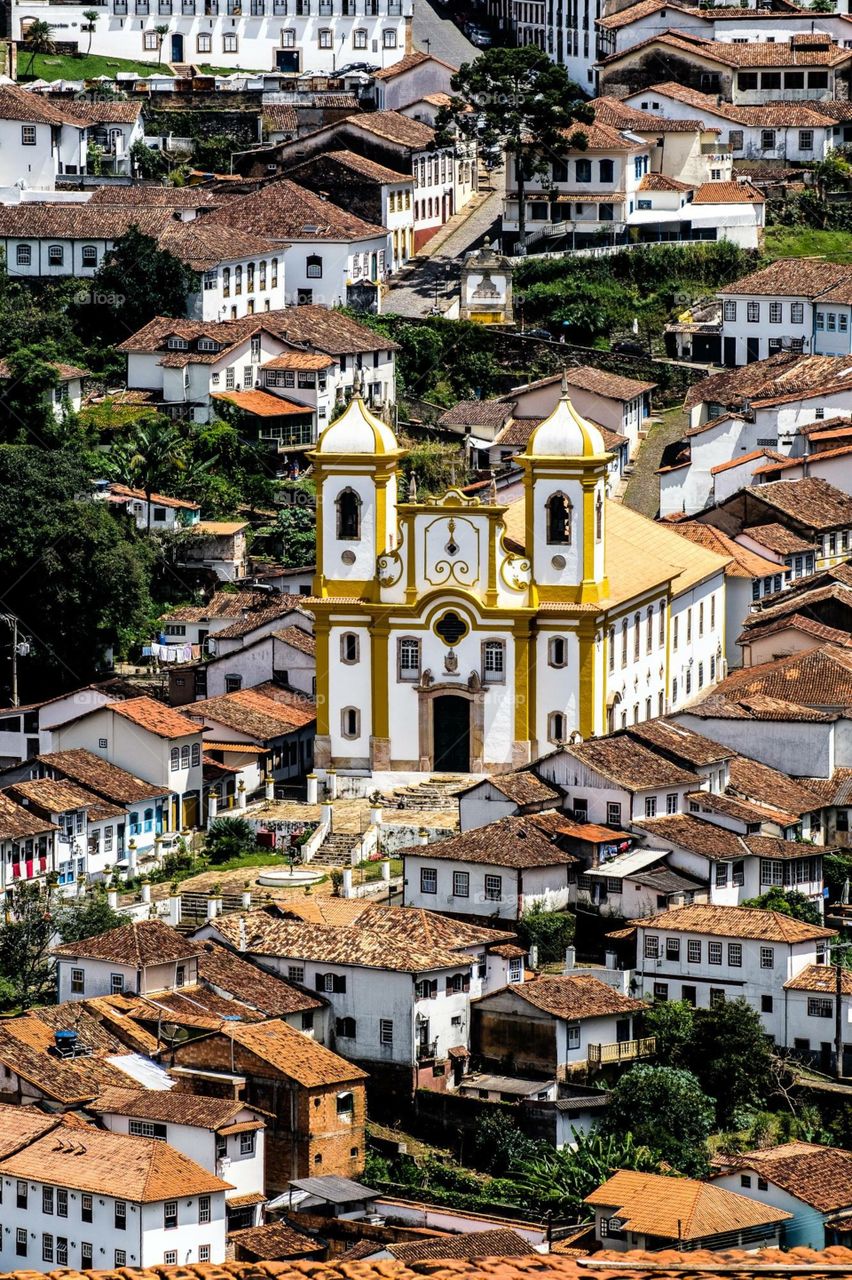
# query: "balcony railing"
{"type": "Point", "coordinates": [427, 1049]}
{"type": "Point", "coordinates": [622, 1051]}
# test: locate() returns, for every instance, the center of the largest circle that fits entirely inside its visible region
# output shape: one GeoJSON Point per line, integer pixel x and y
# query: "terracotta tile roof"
{"type": "Point", "coordinates": [18, 823]}
{"type": "Point", "coordinates": [65, 372]}
{"type": "Point", "coordinates": [156, 197]}
{"type": "Point", "coordinates": [251, 713]}
{"type": "Point", "coordinates": [477, 413]}
{"type": "Point", "coordinates": [77, 222]}
{"type": "Point", "coordinates": [351, 162]}
{"type": "Point", "coordinates": [767, 786]}
{"type": "Point", "coordinates": [789, 278]}
{"type": "Point", "coordinates": [756, 706]}
{"type": "Point", "coordinates": [681, 745]}
{"type": "Point", "coordinates": [519, 842]}
{"type": "Point", "coordinates": [767, 380]}
{"type": "Point", "coordinates": [138, 944]}
{"type": "Point", "coordinates": [570, 997]}
{"type": "Point", "coordinates": [820, 1176]}
{"type": "Point", "coordinates": [659, 182]}
{"type": "Point", "coordinates": [800, 51]}
{"type": "Point", "coordinates": [299, 360]}
{"type": "Point", "coordinates": [524, 787]}
{"type": "Point", "coordinates": [740, 810]}
{"type": "Point", "coordinates": [124, 491]}
{"type": "Point", "coordinates": [743, 563]}
{"type": "Point", "coordinates": [680, 1208]}
{"type": "Point", "coordinates": [297, 638]}
{"type": "Point", "coordinates": [58, 796]}
{"type": "Point", "coordinates": [613, 386]}
{"type": "Point", "coordinates": [222, 604]}
{"type": "Point", "coordinates": [91, 1160]}
{"type": "Point", "coordinates": [735, 192]}
{"type": "Point", "coordinates": [20, 1125]}
{"type": "Point", "coordinates": [280, 117]}
{"type": "Point", "coordinates": [222, 970]}
{"type": "Point", "coordinates": [620, 115]}
{"type": "Point", "coordinates": [631, 764]}
{"type": "Point", "coordinates": [393, 126]}
{"type": "Point", "coordinates": [795, 621]}
{"type": "Point", "coordinates": [735, 922]}
{"type": "Point", "coordinates": [822, 979]}
{"type": "Point", "coordinates": [126, 112]}
{"type": "Point", "coordinates": [98, 776]}
{"type": "Point", "coordinates": [167, 1104]}
{"type": "Point", "coordinates": [295, 1055]}
{"type": "Point", "coordinates": [411, 60]}
{"type": "Point", "coordinates": [154, 716]}
{"type": "Point", "coordinates": [720, 843]}
{"type": "Point", "coordinates": [17, 103]}
{"type": "Point", "coordinates": [500, 1243]}
{"type": "Point", "coordinates": [267, 611]}
{"type": "Point", "coordinates": [819, 678]}
{"type": "Point", "coordinates": [400, 939]}
{"type": "Point", "coordinates": [275, 1241]}
{"type": "Point", "coordinates": [778, 538]}
{"type": "Point", "coordinates": [263, 404]}
{"type": "Point", "coordinates": [643, 9]}
{"type": "Point", "coordinates": [287, 212]}
{"type": "Point", "coordinates": [812, 502]}
{"type": "Point", "coordinates": [778, 458]}
{"type": "Point", "coordinates": [834, 790]}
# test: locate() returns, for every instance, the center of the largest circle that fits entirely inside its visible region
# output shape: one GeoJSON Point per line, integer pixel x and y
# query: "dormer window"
{"type": "Point", "coordinates": [177, 344]}
{"type": "Point", "coordinates": [207, 344]}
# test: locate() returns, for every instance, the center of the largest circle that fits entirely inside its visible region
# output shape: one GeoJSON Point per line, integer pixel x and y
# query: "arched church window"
{"type": "Point", "coordinates": [556, 726]}
{"type": "Point", "coordinates": [348, 514]}
{"type": "Point", "coordinates": [349, 648]}
{"type": "Point", "coordinates": [599, 518]}
{"type": "Point", "coordinates": [409, 658]}
{"type": "Point", "coordinates": [557, 652]}
{"type": "Point", "coordinates": [559, 519]}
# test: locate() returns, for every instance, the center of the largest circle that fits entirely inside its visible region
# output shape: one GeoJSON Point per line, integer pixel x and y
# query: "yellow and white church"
{"type": "Point", "coordinates": [469, 635]}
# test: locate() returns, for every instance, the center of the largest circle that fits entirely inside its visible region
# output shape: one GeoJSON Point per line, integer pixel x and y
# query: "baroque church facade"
{"type": "Point", "coordinates": [468, 634]}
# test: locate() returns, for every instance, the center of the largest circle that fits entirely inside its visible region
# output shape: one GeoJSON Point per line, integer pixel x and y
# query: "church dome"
{"type": "Point", "coordinates": [357, 430]}
{"type": "Point", "coordinates": [565, 434]}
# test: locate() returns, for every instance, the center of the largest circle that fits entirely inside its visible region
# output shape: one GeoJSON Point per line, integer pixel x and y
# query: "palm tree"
{"type": "Point", "coordinates": [91, 16]}
{"type": "Point", "coordinates": [39, 39]}
{"type": "Point", "coordinates": [161, 32]}
{"type": "Point", "coordinates": [149, 459]}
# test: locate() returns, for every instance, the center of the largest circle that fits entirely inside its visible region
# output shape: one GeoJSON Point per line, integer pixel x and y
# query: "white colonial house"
{"type": "Point", "coordinates": [286, 370]}
{"type": "Point", "coordinates": [415, 77]}
{"type": "Point", "coordinates": [146, 737]}
{"type": "Point", "coordinates": [457, 683]}
{"type": "Point", "coordinates": [237, 273]}
{"type": "Point", "coordinates": [270, 35]}
{"type": "Point", "coordinates": [80, 1196]}
{"type": "Point", "coordinates": [138, 958]}
{"type": "Point", "coordinates": [792, 305]}
{"type": "Point", "coordinates": [609, 399]}
{"type": "Point", "coordinates": [495, 872]}
{"type": "Point", "coordinates": [286, 654]}
{"type": "Point", "coordinates": [225, 1137]}
{"type": "Point", "coordinates": [705, 954]}
{"type": "Point", "coordinates": [399, 984]}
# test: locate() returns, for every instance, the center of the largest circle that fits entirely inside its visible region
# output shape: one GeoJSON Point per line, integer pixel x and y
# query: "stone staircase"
{"type": "Point", "coordinates": [436, 793]}
{"type": "Point", "coordinates": [336, 850]}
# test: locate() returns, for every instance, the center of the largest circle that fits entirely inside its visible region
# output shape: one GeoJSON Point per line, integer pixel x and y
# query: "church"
{"type": "Point", "coordinates": [473, 634]}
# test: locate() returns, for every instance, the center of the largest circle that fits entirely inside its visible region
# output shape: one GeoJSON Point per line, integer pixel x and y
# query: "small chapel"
{"type": "Point", "coordinates": [473, 634]}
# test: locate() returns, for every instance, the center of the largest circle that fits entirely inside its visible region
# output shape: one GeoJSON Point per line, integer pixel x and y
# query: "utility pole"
{"type": "Point", "coordinates": [20, 648]}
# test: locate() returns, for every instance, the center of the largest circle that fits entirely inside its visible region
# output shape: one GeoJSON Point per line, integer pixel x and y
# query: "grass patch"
{"type": "Point", "coordinates": [205, 69]}
{"type": "Point", "coordinates": [61, 66]}
{"type": "Point", "coordinates": [368, 871]}
{"type": "Point", "coordinates": [806, 242]}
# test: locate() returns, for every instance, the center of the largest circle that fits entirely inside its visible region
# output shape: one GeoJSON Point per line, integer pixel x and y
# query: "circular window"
{"type": "Point", "coordinates": [559, 562]}
{"type": "Point", "coordinates": [450, 627]}
{"type": "Point", "coordinates": [348, 557]}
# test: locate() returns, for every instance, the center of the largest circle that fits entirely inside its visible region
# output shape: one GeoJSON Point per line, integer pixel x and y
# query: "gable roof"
{"type": "Point", "coordinates": [819, 1176]}
{"type": "Point", "coordinates": [154, 716]}
{"type": "Point", "coordinates": [818, 678]}
{"type": "Point", "coordinates": [520, 842]}
{"type": "Point", "coordinates": [811, 501]}
{"type": "Point", "coordinates": [721, 843]}
{"type": "Point", "coordinates": [250, 712]}
{"type": "Point", "coordinates": [743, 563]}
{"type": "Point", "coordinates": [285, 211]}
{"type": "Point", "coordinates": [630, 764]}
{"type": "Point", "coordinates": [767, 381]}
{"type": "Point", "coordinates": [569, 997]}
{"type": "Point", "coordinates": [734, 922]}
{"type": "Point", "coordinates": [143, 942]}
{"type": "Point", "coordinates": [411, 60]}
{"type": "Point", "coordinates": [680, 1208]}
{"type": "Point", "coordinates": [393, 126]}
{"type": "Point", "coordinates": [17, 822]}
{"type": "Point", "coordinates": [293, 1054]}
{"type": "Point", "coordinates": [223, 970]}
{"type": "Point", "coordinates": [98, 775]}
{"type": "Point", "coordinates": [169, 1105]}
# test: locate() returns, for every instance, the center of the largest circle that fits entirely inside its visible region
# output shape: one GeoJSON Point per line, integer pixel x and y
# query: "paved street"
{"type": "Point", "coordinates": [434, 33]}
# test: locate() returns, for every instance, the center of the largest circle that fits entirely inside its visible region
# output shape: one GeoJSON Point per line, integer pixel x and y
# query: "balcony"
{"type": "Point", "coordinates": [601, 1055]}
{"type": "Point", "coordinates": [427, 1049]}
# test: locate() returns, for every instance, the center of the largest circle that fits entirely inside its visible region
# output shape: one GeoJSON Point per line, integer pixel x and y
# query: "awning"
{"type": "Point", "coordinates": [244, 1202]}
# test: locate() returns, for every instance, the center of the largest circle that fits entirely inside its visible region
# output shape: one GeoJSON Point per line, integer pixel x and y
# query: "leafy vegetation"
{"type": "Point", "coordinates": [550, 931]}
{"type": "Point", "coordinates": [665, 1110]}
{"type": "Point", "coordinates": [136, 281]}
{"type": "Point", "coordinates": [69, 66]}
{"type": "Point", "coordinates": [229, 838]}
{"type": "Point", "coordinates": [789, 902]}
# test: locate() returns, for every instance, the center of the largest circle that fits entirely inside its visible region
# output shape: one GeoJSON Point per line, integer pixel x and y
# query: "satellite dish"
{"type": "Point", "coordinates": [172, 1033]}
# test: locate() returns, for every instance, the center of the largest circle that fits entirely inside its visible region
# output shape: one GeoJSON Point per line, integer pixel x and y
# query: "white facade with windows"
{"type": "Point", "coordinates": [483, 889]}
{"type": "Point", "coordinates": [270, 35]}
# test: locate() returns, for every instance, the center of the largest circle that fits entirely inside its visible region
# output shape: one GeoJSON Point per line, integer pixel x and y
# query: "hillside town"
{"type": "Point", "coordinates": [425, 639]}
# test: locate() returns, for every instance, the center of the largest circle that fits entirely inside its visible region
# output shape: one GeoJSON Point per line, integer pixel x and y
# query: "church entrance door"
{"type": "Point", "coordinates": [451, 734]}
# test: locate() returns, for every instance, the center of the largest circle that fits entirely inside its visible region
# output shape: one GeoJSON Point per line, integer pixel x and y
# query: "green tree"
{"type": "Point", "coordinates": [229, 838]}
{"type": "Point", "coordinates": [91, 17]}
{"type": "Point", "coordinates": [837, 869]}
{"type": "Point", "coordinates": [150, 458]}
{"type": "Point", "coordinates": [77, 578]}
{"type": "Point", "coordinates": [38, 39]}
{"type": "Point", "coordinates": [520, 100]}
{"type": "Point", "coordinates": [161, 32]}
{"type": "Point", "coordinates": [497, 1144]}
{"type": "Point", "coordinates": [730, 1057]}
{"type": "Point", "coordinates": [26, 396]}
{"type": "Point", "coordinates": [26, 936]}
{"type": "Point", "coordinates": [560, 1180]}
{"type": "Point", "coordinates": [664, 1109]}
{"type": "Point", "coordinates": [136, 281]}
{"type": "Point", "coordinates": [550, 931]}
{"type": "Point", "coordinates": [672, 1023]}
{"type": "Point", "coordinates": [297, 523]}
{"type": "Point", "coordinates": [833, 172]}
{"type": "Point", "coordinates": [789, 902]}
{"type": "Point", "coordinates": [148, 162]}
{"type": "Point", "coordinates": [79, 918]}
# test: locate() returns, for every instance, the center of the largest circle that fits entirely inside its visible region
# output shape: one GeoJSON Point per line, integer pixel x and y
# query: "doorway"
{"type": "Point", "coordinates": [451, 733]}
{"type": "Point", "coordinates": [177, 47]}
{"type": "Point", "coordinates": [729, 359]}
{"type": "Point", "coordinates": [752, 350]}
